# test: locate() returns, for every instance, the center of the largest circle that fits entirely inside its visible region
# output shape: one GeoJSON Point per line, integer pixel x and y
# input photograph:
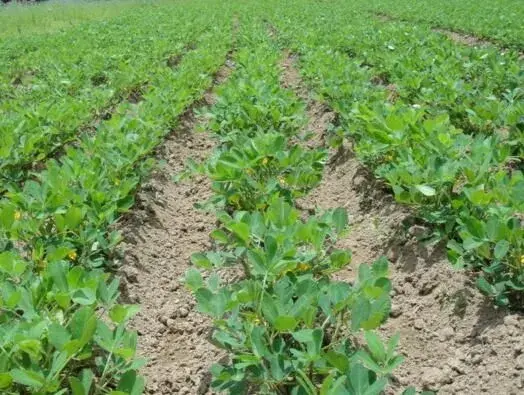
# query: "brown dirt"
{"type": "Point", "coordinates": [453, 339]}
{"type": "Point", "coordinates": [462, 38]}
{"type": "Point", "coordinates": [319, 116]}
{"type": "Point", "coordinates": [160, 236]}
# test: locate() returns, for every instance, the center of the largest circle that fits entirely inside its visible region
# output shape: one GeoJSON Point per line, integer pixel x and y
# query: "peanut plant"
{"type": "Point", "coordinates": [287, 325]}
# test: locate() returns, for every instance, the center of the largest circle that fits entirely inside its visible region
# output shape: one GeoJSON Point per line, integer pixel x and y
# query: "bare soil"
{"type": "Point", "coordinates": [160, 236]}
{"type": "Point", "coordinates": [319, 116]}
{"type": "Point", "coordinates": [463, 38]}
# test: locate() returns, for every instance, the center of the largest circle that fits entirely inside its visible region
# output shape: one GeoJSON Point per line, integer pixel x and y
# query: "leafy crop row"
{"type": "Point", "coordinates": [500, 21]}
{"type": "Point", "coordinates": [440, 123]}
{"type": "Point", "coordinates": [288, 326]}
{"type": "Point", "coordinates": [62, 328]}
{"type": "Point", "coordinates": [52, 88]}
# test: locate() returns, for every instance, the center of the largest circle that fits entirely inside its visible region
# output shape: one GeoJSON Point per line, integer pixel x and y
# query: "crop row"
{"type": "Point", "coordinates": [480, 90]}
{"type": "Point", "coordinates": [440, 123]}
{"type": "Point", "coordinates": [500, 21]}
{"type": "Point", "coordinates": [287, 325]}
{"type": "Point", "coordinates": [51, 90]}
{"type": "Point", "coordinates": [62, 328]}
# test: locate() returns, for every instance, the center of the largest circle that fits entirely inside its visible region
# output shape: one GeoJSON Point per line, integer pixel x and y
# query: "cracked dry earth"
{"type": "Point", "coordinates": [454, 340]}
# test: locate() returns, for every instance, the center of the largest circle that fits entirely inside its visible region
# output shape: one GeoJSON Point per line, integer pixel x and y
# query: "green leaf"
{"type": "Point", "coordinates": [410, 391]}
{"type": "Point", "coordinates": [375, 345]}
{"type": "Point", "coordinates": [211, 303]}
{"type": "Point", "coordinates": [316, 346]}
{"type": "Point", "coordinates": [59, 253]}
{"type": "Point", "coordinates": [359, 379]}
{"type": "Point", "coordinates": [28, 377]}
{"type": "Point", "coordinates": [241, 230]}
{"type": "Point", "coordinates": [220, 236]}
{"type": "Point", "coordinates": [392, 345]}
{"type": "Point", "coordinates": [120, 313]}
{"type": "Point", "coordinates": [5, 380]}
{"type": "Point", "coordinates": [11, 264]}
{"type": "Point", "coordinates": [77, 388]}
{"type": "Point", "coordinates": [377, 387]}
{"type": "Point", "coordinates": [83, 325]}
{"type": "Point", "coordinates": [340, 258]}
{"type": "Point", "coordinates": [269, 309]}
{"type": "Point", "coordinates": [7, 216]}
{"type": "Point", "coordinates": [368, 361]}
{"type": "Point", "coordinates": [485, 286]}
{"type": "Point", "coordinates": [87, 377]}
{"type": "Point", "coordinates": [470, 243]}
{"type": "Point", "coordinates": [58, 336]}
{"type": "Point", "coordinates": [194, 279]}
{"type": "Point", "coordinates": [276, 365]}
{"type": "Point", "coordinates": [130, 383]}
{"type": "Point", "coordinates": [285, 323]}
{"type": "Point", "coordinates": [84, 297]}
{"type": "Point", "coordinates": [340, 219]}
{"type": "Point", "coordinates": [360, 313]}
{"type": "Point", "coordinates": [331, 389]}
{"type": "Point", "coordinates": [501, 249]}
{"type": "Point", "coordinates": [338, 360]}
{"type": "Point", "coordinates": [259, 343]}
{"type": "Point", "coordinates": [73, 217]}
{"type": "Point", "coordinates": [303, 335]}
{"type": "Point", "coordinates": [426, 190]}
{"type": "Point", "coordinates": [281, 213]}
{"type": "Point", "coordinates": [327, 384]}
{"type": "Point", "coordinates": [31, 346]}
{"type": "Point", "coordinates": [201, 260]}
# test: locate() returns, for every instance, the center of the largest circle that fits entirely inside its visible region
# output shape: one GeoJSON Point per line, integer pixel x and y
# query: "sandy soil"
{"type": "Point", "coordinates": [160, 236]}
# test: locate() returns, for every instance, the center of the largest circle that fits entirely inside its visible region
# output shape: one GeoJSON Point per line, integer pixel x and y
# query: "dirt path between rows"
{"type": "Point", "coordinates": [453, 339]}
{"type": "Point", "coordinates": [160, 236]}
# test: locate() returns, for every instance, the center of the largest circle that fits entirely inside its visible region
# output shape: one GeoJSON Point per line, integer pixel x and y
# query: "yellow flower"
{"type": "Point", "coordinates": [522, 259]}
{"type": "Point", "coordinates": [388, 158]}
{"type": "Point", "coordinates": [72, 255]}
{"type": "Point", "coordinates": [303, 267]}
{"type": "Point", "coordinates": [18, 215]}
{"type": "Point", "coordinates": [282, 181]}
{"type": "Point", "coordinates": [41, 265]}
{"type": "Point", "coordinates": [264, 161]}
{"type": "Point", "coordinates": [249, 171]}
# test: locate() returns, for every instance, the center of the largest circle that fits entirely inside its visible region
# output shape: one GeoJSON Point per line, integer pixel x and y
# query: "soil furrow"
{"type": "Point", "coordinates": [453, 339]}
{"type": "Point", "coordinates": [160, 237]}
{"type": "Point", "coordinates": [319, 116]}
